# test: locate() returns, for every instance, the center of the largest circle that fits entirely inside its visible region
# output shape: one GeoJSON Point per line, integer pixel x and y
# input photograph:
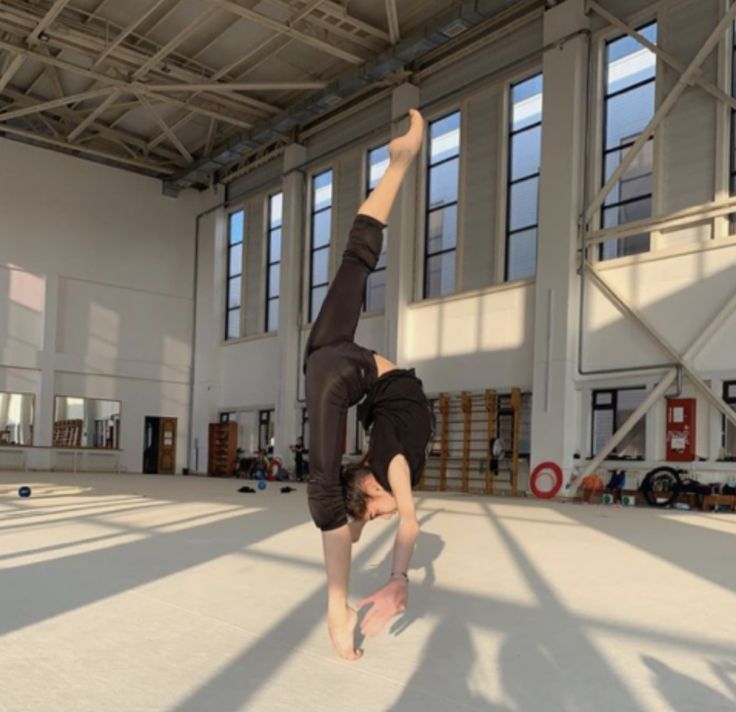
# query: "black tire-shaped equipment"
{"type": "Point", "coordinates": [658, 481]}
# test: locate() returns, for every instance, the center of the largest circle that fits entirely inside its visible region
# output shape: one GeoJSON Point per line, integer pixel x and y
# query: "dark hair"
{"type": "Point", "coordinates": [356, 500]}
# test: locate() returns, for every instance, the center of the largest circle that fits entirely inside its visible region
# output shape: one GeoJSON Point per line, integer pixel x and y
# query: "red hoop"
{"type": "Point", "coordinates": [543, 468]}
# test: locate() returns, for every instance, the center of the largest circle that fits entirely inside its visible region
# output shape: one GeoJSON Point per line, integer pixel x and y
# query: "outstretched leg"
{"type": "Point", "coordinates": [338, 317]}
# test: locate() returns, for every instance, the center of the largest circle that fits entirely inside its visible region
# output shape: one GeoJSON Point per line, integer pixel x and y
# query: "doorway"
{"type": "Point", "coordinates": [159, 445]}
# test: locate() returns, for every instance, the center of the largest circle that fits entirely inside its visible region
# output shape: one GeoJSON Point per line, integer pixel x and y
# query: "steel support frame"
{"type": "Point", "coordinates": [689, 75]}
{"type": "Point", "coordinates": [684, 362]}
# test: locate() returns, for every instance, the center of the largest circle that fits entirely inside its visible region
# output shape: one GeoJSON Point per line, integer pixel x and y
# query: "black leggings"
{"type": "Point", "coordinates": [338, 371]}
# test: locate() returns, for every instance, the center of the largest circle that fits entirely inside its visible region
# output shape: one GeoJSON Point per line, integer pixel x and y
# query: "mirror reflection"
{"type": "Point", "coordinates": [86, 422]}
{"type": "Point", "coordinates": [16, 418]}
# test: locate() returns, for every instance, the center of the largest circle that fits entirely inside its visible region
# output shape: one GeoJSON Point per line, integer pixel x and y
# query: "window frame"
{"type": "Point", "coordinates": [270, 229]}
{"type": "Point", "coordinates": [428, 166]}
{"type": "Point", "coordinates": [509, 135]}
{"type": "Point", "coordinates": [640, 22]}
{"type": "Point", "coordinates": [230, 277]}
{"type": "Point", "coordinates": [367, 191]}
{"type": "Point", "coordinates": [730, 401]}
{"type": "Point", "coordinates": [614, 407]}
{"type": "Point", "coordinates": [312, 213]}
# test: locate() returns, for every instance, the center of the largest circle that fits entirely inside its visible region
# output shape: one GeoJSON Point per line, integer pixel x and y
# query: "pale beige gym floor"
{"type": "Point", "coordinates": [127, 593]}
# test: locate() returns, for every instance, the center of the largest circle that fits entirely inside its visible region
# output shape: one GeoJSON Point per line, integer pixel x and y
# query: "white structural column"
{"type": "Point", "coordinates": [401, 236]}
{"type": "Point", "coordinates": [292, 253]}
{"type": "Point", "coordinates": [210, 326]}
{"type": "Point", "coordinates": [560, 204]}
{"type": "Point", "coordinates": [44, 416]}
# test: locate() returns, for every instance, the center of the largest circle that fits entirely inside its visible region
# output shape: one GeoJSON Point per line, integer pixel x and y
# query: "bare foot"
{"type": "Point", "coordinates": [404, 148]}
{"type": "Point", "coordinates": [341, 629]}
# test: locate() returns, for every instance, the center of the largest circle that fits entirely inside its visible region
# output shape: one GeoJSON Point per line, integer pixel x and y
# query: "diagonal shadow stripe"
{"type": "Point", "coordinates": [37, 591]}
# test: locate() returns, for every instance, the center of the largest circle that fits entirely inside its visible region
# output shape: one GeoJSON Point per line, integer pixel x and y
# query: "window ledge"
{"type": "Point", "coordinates": [247, 339]}
{"type": "Point", "coordinates": [646, 465]}
{"type": "Point", "coordinates": [471, 293]}
{"type": "Point", "coordinates": [666, 253]}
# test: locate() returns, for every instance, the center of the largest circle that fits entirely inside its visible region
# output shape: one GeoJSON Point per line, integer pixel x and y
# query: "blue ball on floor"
{"type": "Point", "coordinates": [24, 491]}
{"type": "Point", "coordinates": [262, 485]}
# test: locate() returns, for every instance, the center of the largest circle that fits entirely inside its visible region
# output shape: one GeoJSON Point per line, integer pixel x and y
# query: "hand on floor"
{"type": "Point", "coordinates": [386, 603]}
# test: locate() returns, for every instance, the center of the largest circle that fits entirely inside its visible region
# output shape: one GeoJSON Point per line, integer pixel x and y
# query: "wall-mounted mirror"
{"type": "Point", "coordinates": [16, 418]}
{"type": "Point", "coordinates": [86, 422]}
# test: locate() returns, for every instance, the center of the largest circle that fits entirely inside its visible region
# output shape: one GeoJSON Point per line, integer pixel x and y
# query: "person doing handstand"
{"type": "Point", "coordinates": [340, 374]}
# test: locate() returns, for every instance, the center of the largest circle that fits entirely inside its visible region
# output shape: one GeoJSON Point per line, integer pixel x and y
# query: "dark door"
{"type": "Point", "coordinates": [167, 446]}
{"type": "Point", "coordinates": [150, 445]}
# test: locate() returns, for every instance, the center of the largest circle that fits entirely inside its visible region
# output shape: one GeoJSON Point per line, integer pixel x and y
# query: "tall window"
{"type": "Point", "coordinates": [525, 152]}
{"type": "Point", "coordinates": [611, 408]}
{"type": "Point", "coordinates": [321, 234]}
{"type": "Point", "coordinates": [236, 230]}
{"type": "Point", "coordinates": [273, 260]}
{"type": "Point", "coordinates": [728, 436]}
{"type": "Point", "coordinates": [443, 173]}
{"type": "Point", "coordinates": [732, 165]}
{"type": "Point", "coordinates": [375, 288]}
{"type": "Point", "coordinates": [628, 106]}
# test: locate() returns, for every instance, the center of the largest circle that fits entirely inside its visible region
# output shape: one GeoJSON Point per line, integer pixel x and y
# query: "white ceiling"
{"type": "Point", "coordinates": [157, 85]}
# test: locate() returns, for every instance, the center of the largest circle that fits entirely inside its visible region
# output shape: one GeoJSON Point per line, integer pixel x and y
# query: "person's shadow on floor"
{"type": "Point", "coordinates": [428, 549]}
{"type": "Point", "coordinates": [684, 693]}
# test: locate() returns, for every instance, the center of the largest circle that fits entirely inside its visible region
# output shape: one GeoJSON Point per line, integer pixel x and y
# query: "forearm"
{"type": "Point", "coordinates": [337, 547]}
{"type": "Point", "coordinates": [378, 204]}
{"type": "Point", "coordinates": [406, 536]}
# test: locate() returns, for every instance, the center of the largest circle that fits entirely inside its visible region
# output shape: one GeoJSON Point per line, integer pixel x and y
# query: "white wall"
{"type": "Point", "coordinates": [484, 337]}
{"type": "Point", "coordinates": [96, 288]}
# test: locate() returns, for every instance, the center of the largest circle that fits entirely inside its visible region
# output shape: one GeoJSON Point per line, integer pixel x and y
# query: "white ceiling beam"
{"type": "Point", "coordinates": [53, 76]}
{"type": "Point", "coordinates": [119, 136]}
{"type": "Point", "coordinates": [392, 16]}
{"type": "Point", "coordinates": [91, 44]}
{"type": "Point", "coordinates": [267, 43]}
{"type": "Point", "coordinates": [135, 88]}
{"type": "Point", "coordinates": [159, 22]}
{"type": "Point", "coordinates": [126, 32]}
{"type": "Point", "coordinates": [166, 129]}
{"type": "Point", "coordinates": [95, 13]}
{"type": "Point", "coordinates": [186, 118]}
{"type": "Point", "coordinates": [236, 86]}
{"type": "Point", "coordinates": [104, 106]}
{"type": "Point", "coordinates": [287, 30]}
{"type": "Point", "coordinates": [53, 104]}
{"type": "Point", "coordinates": [174, 42]}
{"type": "Point", "coordinates": [13, 67]}
{"type": "Point", "coordinates": [149, 166]}
{"type": "Point", "coordinates": [51, 14]}
{"type": "Point", "coordinates": [209, 141]}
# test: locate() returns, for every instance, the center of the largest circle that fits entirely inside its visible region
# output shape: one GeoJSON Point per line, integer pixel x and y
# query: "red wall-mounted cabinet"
{"type": "Point", "coordinates": [681, 429]}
